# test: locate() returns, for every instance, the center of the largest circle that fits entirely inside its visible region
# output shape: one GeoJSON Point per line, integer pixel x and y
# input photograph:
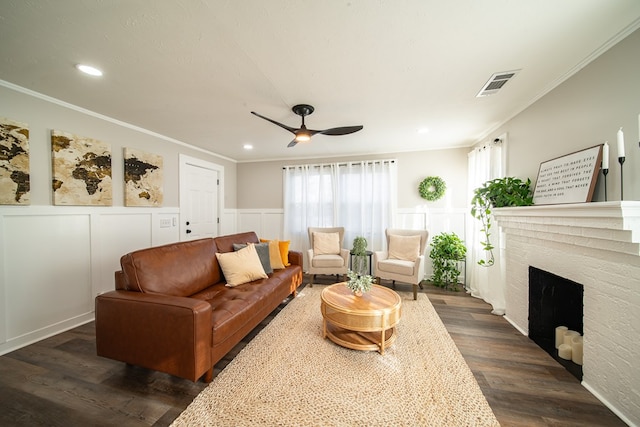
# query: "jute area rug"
{"type": "Point", "coordinates": [288, 375]}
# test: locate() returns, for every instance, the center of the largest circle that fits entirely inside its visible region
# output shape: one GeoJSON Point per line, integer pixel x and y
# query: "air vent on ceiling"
{"type": "Point", "coordinates": [496, 82]}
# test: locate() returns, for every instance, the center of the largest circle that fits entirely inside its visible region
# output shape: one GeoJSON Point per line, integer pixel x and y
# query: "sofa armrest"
{"type": "Point", "coordinates": [164, 333]}
{"type": "Point", "coordinates": [420, 267]}
{"type": "Point", "coordinates": [379, 256]}
{"type": "Point", "coordinates": [295, 258]}
{"type": "Point", "coordinates": [344, 253]}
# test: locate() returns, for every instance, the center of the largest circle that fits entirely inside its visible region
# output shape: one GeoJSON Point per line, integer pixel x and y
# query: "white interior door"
{"type": "Point", "coordinates": [199, 199]}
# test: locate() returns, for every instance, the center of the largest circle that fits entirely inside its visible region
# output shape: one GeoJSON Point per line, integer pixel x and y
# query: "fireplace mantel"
{"type": "Point", "coordinates": [598, 246]}
{"type": "Point", "coordinates": [611, 226]}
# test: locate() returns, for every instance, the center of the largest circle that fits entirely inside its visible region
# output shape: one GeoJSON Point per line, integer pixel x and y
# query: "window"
{"type": "Point", "coordinates": [359, 196]}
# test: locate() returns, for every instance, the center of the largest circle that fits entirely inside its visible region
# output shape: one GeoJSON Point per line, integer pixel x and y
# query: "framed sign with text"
{"type": "Point", "coordinates": [568, 179]}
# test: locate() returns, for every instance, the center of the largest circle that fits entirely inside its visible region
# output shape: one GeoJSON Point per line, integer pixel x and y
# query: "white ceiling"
{"type": "Point", "coordinates": [193, 70]}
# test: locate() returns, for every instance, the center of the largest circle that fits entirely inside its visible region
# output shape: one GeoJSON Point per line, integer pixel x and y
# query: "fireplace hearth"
{"type": "Point", "coordinates": [554, 301]}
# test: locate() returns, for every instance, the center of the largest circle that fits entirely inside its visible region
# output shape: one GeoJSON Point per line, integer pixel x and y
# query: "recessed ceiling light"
{"type": "Point", "coordinates": [247, 147]}
{"type": "Point", "coordinates": [87, 69]}
{"type": "Point", "coordinates": [423, 130]}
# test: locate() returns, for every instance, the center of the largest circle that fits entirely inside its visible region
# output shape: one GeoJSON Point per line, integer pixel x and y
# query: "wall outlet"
{"type": "Point", "coordinates": [165, 223]}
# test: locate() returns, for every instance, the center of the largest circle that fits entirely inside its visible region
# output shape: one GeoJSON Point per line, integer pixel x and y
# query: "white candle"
{"type": "Point", "coordinates": [560, 330]}
{"type": "Point", "coordinates": [564, 351]}
{"type": "Point", "coordinates": [568, 336]}
{"type": "Point", "coordinates": [620, 143]}
{"type": "Point", "coordinates": [576, 350]}
{"type": "Point", "coordinates": [605, 156]}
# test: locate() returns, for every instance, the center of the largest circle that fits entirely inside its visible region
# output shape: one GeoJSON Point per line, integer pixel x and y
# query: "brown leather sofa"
{"type": "Point", "coordinates": [172, 312]}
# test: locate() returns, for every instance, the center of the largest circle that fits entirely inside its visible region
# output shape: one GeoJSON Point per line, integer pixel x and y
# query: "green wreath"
{"type": "Point", "coordinates": [432, 188]}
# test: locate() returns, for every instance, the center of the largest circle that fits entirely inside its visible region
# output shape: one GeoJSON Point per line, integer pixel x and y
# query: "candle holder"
{"type": "Point", "coordinates": [621, 161]}
{"type": "Point", "coordinates": [604, 173]}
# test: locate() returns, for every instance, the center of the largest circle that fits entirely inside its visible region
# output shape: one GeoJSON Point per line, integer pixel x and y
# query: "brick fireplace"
{"type": "Point", "coordinates": [598, 246]}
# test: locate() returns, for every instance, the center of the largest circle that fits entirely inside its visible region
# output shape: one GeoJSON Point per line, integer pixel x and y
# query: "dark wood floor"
{"type": "Point", "coordinates": [61, 382]}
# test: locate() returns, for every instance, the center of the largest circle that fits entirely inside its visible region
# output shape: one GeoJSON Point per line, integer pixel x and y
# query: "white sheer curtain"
{"type": "Point", "coordinates": [309, 201]}
{"type": "Point", "coordinates": [366, 200]}
{"type": "Point", "coordinates": [359, 196]}
{"type": "Point", "coordinates": [485, 163]}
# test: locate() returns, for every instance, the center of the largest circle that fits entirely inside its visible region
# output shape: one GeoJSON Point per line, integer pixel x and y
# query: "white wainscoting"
{"type": "Point", "coordinates": [55, 260]}
{"type": "Point", "coordinates": [436, 221]}
{"type": "Point", "coordinates": [267, 223]}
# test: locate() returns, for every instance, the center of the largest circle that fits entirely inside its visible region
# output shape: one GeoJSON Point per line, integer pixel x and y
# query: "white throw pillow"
{"type": "Point", "coordinates": [406, 248]}
{"type": "Point", "coordinates": [326, 243]}
{"type": "Point", "coordinates": [242, 266]}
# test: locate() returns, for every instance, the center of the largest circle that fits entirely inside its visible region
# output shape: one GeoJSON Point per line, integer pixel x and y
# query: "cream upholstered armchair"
{"type": "Point", "coordinates": [327, 256]}
{"type": "Point", "coordinates": [404, 259]}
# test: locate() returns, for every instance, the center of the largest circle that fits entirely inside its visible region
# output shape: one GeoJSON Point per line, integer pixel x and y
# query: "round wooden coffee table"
{"type": "Point", "coordinates": [364, 322]}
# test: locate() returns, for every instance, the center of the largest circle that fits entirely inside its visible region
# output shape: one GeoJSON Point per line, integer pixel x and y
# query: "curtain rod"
{"type": "Point", "coordinates": [340, 164]}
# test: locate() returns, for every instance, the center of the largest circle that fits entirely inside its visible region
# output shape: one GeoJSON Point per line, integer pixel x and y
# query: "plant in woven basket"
{"type": "Point", "coordinates": [360, 259]}
{"type": "Point", "coordinates": [498, 193]}
{"type": "Point", "coordinates": [359, 283]}
{"type": "Point", "coordinates": [446, 251]}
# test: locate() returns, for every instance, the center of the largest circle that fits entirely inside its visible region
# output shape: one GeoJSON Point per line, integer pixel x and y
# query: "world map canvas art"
{"type": "Point", "coordinates": [143, 178]}
{"type": "Point", "coordinates": [14, 163]}
{"type": "Point", "coordinates": [81, 170]}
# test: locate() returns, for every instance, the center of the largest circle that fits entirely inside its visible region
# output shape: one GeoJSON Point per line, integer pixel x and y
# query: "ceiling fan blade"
{"type": "Point", "coordinates": [338, 131]}
{"type": "Point", "coordinates": [292, 143]}
{"type": "Point", "coordinates": [289, 128]}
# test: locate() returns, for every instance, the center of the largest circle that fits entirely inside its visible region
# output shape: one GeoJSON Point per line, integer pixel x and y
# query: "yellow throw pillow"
{"type": "Point", "coordinates": [282, 249]}
{"type": "Point", "coordinates": [406, 248]}
{"type": "Point", "coordinates": [274, 255]}
{"type": "Point", "coordinates": [326, 243]}
{"type": "Point", "coordinates": [283, 245]}
{"type": "Point", "coordinates": [242, 266]}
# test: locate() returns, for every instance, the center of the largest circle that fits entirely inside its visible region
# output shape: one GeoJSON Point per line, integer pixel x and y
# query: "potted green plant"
{"type": "Point", "coordinates": [359, 283]}
{"type": "Point", "coordinates": [498, 193]}
{"type": "Point", "coordinates": [360, 259]}
{"type": "Point", "coordinates": [446, 251]}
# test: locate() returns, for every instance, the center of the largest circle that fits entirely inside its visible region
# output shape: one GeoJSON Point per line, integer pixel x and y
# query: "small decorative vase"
{"type": "Point", "coordinates": [357, 293]}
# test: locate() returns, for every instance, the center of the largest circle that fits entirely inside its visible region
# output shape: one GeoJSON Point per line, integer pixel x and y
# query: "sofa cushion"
{"type": "Point", "coordinates": [225, 243]}
{"type": "Point", "coordinates": [178, 269]}
{"type": "Point", "coordinates": [397, 266]}
{"type": "Point", "coordinates": [263, 253]}
{"type": "Point", "coordinates": [242, 266]}
{"type": "Point", "coordinates": [323, 261]}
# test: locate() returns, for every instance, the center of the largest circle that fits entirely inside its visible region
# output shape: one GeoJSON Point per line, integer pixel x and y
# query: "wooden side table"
{"type": "Point", "coordinates": [364, 322]}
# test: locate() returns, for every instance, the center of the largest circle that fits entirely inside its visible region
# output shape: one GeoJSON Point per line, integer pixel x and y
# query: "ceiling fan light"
{"type": "Point", "coordinates": [302, 137]}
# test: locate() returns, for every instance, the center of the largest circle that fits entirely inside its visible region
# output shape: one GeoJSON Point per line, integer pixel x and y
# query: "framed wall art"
{"type": "Point", "coordinates": [143, 178]}
{"type": "Point", "coordinates": [568, 179]}
{"type": "Point", "coordinates": [81, 170]}
{"type": "Point", "coordinates": [15, 183]}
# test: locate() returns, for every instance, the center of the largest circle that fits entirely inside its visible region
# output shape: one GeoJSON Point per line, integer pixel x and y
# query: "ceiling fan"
{"type": "Point", "coordinates": [302, 134]}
